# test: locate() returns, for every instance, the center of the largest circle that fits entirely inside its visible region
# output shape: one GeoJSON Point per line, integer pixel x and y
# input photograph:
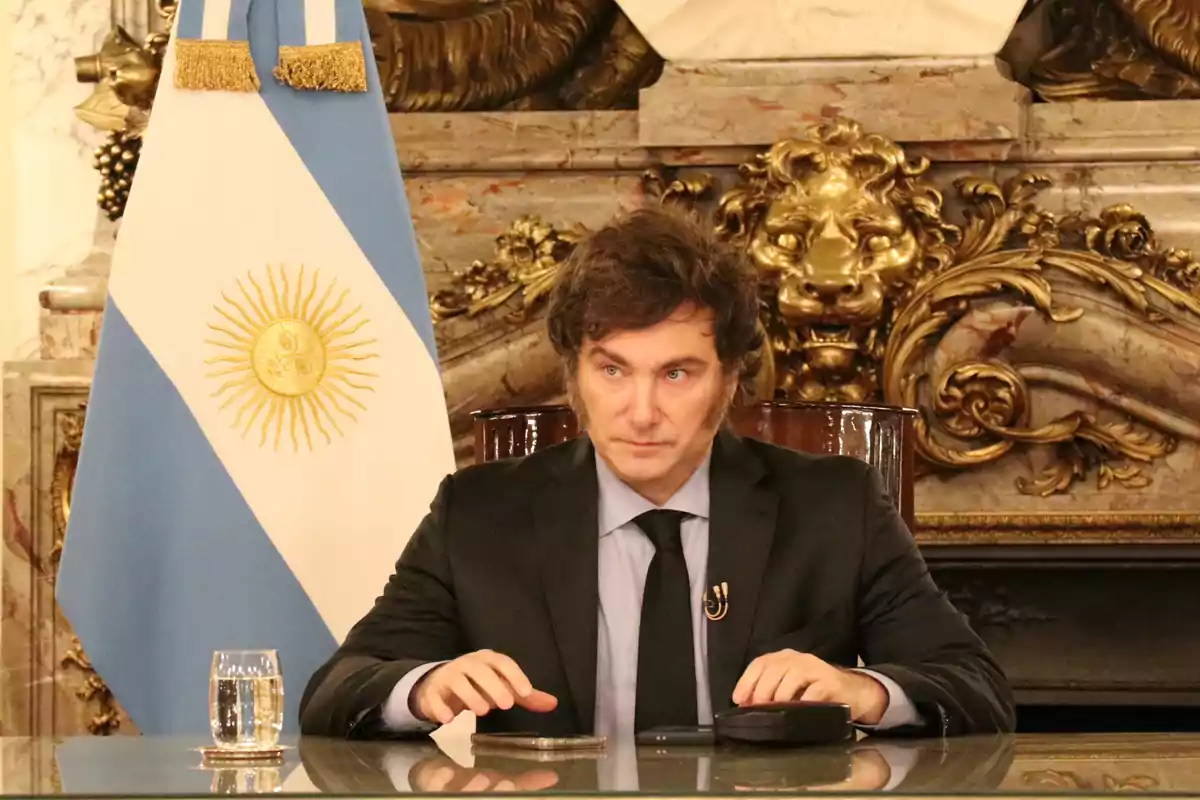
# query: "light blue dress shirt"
{"type": "Point", "coordinates": [624, 561]}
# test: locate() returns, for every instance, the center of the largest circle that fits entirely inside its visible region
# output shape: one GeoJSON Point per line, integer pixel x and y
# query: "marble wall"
{"type": "Point", "coordinates": [49, 217]}
{"type": "Point", "coordinates": [56, 219]}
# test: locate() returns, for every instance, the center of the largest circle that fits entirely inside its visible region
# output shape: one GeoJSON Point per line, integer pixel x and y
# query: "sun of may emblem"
{"type": "Point", "coordinates": [290, 357]}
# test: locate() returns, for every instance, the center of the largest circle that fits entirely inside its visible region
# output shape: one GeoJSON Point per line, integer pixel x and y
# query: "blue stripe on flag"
{"type": "Point", "coordinates": [191, 19]}
{"type": "Point", "coordinates": [169, 563]}
{"type": "Point", "coordinates": [239, 20]}
{"type": "Point", "coordinates": [348, 16]}
{"type": "Point", "coordinates": [291, 24]}
{"type": "Point", "coordinates": [364, 188]}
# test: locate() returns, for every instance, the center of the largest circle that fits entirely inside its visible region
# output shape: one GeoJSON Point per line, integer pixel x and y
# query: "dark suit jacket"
{"type": "Point", "coordinates": [816, 557]}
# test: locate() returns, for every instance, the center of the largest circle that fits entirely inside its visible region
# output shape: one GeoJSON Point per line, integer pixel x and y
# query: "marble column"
{"type": "Point", "coordinates": [754, 72]}
{"type": "Point", "coordinates": [717, 30]}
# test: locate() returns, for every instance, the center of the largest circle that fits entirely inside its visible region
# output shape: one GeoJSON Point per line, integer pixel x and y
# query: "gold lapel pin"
{"type": "Point", "coordinates": [716, 606]}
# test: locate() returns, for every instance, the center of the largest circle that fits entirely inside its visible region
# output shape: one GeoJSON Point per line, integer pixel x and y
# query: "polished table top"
{"type": "Point", "coordinates": [1011, 765]}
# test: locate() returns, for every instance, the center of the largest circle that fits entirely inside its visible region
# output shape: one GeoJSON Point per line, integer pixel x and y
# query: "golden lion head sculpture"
{"type": "Point", "coordinates": [839, 224]}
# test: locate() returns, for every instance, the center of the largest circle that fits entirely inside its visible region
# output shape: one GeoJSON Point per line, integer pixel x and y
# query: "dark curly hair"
{"type": "Point", "coordinates": [637, 269]}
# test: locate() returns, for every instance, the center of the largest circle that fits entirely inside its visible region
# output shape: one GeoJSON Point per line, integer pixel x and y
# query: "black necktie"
{"type": "Point", "coordinates": [666, 675]}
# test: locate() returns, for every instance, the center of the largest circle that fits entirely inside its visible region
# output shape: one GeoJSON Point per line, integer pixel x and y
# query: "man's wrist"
{"type": "Point", "coordinates": [414, 696]}
{"type": "Point", "coordinates": [873, 699]}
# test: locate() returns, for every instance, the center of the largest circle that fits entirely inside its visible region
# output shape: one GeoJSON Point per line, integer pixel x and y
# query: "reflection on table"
{"type": "Point", "coordinates": [1074, 764]}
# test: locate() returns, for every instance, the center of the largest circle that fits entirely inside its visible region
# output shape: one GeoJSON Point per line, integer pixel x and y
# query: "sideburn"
{"type": "Point", "coordinates": [574, 401]}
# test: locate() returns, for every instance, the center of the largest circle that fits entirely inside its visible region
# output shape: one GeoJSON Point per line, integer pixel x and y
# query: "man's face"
{"type": "Point", "coordinates": [652, 399]}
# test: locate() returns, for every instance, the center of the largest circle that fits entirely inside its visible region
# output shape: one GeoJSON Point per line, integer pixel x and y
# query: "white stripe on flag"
{"type": "Point", "coordinates": [320, 22]}
{"type": "Point", "coordinates": [216, 19]}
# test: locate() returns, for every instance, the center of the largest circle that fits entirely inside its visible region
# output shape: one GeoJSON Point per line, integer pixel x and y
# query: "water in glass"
{"type": "Point", "coordinates": [245, 699]}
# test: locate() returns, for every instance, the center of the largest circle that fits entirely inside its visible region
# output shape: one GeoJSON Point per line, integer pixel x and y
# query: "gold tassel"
{"type": "Point", "coordinates": [215, 64]}
{"type": "Point", "coordinates": [337, 67]}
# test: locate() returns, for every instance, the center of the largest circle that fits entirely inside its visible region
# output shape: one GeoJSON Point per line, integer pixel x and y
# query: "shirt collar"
{"type": "Point", "coordinates": [620, 504]}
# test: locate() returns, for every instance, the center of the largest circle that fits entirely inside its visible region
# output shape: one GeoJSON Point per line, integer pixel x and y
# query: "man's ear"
{"type": "Point", "coordinates": [732, 384]}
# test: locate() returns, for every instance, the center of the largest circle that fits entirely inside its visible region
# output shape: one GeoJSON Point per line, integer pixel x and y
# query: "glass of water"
{"type": "Point", "coordinates": [245, 699]}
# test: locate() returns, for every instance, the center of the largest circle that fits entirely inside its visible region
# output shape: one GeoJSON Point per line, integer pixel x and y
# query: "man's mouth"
{"type": "Point", "coordinates": [642, 445]}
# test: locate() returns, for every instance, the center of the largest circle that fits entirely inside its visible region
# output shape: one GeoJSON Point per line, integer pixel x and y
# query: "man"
{"type": "Point", "coordinates": [564, 592]}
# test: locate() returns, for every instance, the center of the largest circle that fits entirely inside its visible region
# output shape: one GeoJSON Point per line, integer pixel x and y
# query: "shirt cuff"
{"type": "Point", "coordinates": [900, 710]}
{"type": "Point", "coordinates": [397, 716]}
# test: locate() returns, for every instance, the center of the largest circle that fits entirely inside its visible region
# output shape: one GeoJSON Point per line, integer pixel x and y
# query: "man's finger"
{"type": "Point", "coordinates": [437, 709]}
{"type": "Point", "coordinates": [439, 779]}
{"type": "Point", "coordinates": [479, 782]}
{"type": "Point", "coordinates": [818, 692]}
{"type": "Point", "coordinates": [745, 684]}
{"type": "Point", "coordinates": [485, 677]}
{"type": "Point", "coordinates": [768, 682]}
{"type": "Point", "coordinates": [537, 780]}
{"type": "Point", "coordinates": [793, 683]}
{"type": "Point", "coordinates": [538, 701]}
{"type": "Point", "coordinates": [509, 670]}
{"type": "Point", "coordinates": [464, 690]}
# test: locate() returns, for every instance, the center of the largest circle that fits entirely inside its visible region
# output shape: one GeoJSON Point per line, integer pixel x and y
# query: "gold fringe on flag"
{"type": "Point", "coordinates": [215, 64]}
{"type": "Point", "coordinates": [336, 67]}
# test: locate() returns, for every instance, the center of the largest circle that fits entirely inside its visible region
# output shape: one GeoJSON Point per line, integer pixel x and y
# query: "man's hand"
{"type": "Point", "coordinates": [788, 675]}
{"type": "Point", "coordinates": [477, 682]}
{"type": "Point", "coordinates": [439, 774]}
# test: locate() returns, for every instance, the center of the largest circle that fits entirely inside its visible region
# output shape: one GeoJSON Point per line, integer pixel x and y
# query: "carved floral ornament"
{"type": "Point", "coordinates": [106, 714]}
{"type": "Point", "coordinates": [1118, 49]}
{"type": "Point", "coordinates": [863, 276]}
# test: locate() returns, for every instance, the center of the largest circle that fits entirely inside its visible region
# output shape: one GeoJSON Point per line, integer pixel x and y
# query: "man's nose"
{"type": "Point", "coordinates": [645, 404]}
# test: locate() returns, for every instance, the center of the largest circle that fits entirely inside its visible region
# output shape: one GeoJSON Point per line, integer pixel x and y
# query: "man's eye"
{"type": "Point", "coordinates": [676, 375]}
{"type": "Point", "coordinates": [611, 371]}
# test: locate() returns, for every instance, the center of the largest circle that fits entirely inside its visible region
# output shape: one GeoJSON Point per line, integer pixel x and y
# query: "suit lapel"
{"type": "Point", "coordinates": [741, 528]}
{"type": "Point", "coordinates": [565, 523]}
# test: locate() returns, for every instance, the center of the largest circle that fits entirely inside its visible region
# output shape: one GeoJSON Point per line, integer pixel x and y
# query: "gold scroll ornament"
{"type": "Point", "coordinates": [862, 273]}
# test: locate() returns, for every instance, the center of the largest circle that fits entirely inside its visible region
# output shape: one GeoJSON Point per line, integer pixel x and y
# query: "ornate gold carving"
{"type": "Point", "coordinates": [108, 717]}
{"type": "Point", "coordinates": [1008, 246]}
{"type": "Point", "coordinates": [116, 160]}
{"type": "Point", "coordinates": [1063, 779]}
{"type": "Point", "coordinates": [1121, 49]}
{"type": "Point", "coordinates": [529, 254]}
{"type": "Point", "coordinates": [1111, 446]}
{"type": "Point", "coordinates": [292, 352]}
{"type": "Point", "coordinates": [69, 435]}
{"type": "Point", "coordinates": [862, 274]}
{"type": "Point", "coordinates": [527, 257]}
{"type": "Point", "coordinates": [125, 69]}
{"type": "Point", "coordinates": [126, 76]}
{"type": "Point", "coordinates": [978, 400]}
{"type": "Point", "coordinates": [837, 223]}
{"type": "Point", "coordinates": [514, 54]}
{"type": "Point", "coordinates": [1056, 529]}
{"type": "Point", "coordinates": [69, 428]}
{"type": "Point", "coordinates": [673, 187]}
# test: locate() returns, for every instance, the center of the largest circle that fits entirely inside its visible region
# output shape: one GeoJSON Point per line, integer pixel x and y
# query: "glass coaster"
{"type": "Point", "coordinates": [214, 754]}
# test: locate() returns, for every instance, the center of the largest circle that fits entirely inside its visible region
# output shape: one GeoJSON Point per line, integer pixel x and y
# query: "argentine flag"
{"type": "Point", "coordinates": [267, 425]}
